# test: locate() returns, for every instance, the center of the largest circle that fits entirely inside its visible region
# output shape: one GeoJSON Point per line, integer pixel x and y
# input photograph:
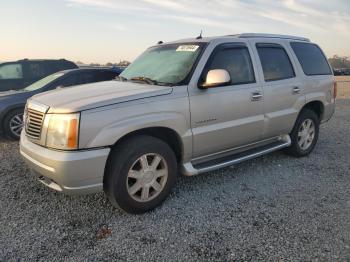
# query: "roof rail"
{"type": "Point", "coordinates": [254, 35]}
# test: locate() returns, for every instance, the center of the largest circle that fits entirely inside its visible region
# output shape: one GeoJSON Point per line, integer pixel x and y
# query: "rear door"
{"type": "Point", "coordinates": [227, 116]}
{"type": "Point", "coordinates": [282, 87]}
{"type": "Point", "coordinates": [36, 70]}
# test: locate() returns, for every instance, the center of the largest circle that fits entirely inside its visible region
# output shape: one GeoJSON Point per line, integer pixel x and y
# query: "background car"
{"type": "Point", "coordinates": [12, 102]}
{"type": "Point", "coordinates": [22, 73]}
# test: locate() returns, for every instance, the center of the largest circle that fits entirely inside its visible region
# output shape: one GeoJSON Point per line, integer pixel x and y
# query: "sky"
{"type": "Point", "coordinates": [104, 31]}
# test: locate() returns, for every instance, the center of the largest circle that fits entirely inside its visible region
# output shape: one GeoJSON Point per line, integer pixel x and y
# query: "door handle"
{"type": "Point", "coordinates": [296, 90]}
{"type": "Point", "coordinates": [256, 96]}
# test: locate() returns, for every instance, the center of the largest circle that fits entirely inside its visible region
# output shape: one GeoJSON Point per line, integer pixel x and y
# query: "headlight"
{"type": "Point", "coordinates": [63, 131]}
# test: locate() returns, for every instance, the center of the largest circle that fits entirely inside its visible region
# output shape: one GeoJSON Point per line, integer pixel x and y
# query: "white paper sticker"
{"type": "Point", "coordinates": [187, 48]}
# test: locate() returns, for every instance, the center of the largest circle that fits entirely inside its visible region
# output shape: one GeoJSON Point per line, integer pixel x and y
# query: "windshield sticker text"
{"type": "Point", "coordinates": [187, 48]}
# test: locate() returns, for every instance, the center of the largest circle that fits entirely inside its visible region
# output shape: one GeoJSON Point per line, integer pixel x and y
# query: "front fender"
{"type": "Point", "coordinates": [100, 129]}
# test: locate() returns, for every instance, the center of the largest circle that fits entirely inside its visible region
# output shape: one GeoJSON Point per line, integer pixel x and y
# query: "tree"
{"type": "Point", "coordinates": [339, 62]}
{"type": "Point", "coordinates": [124, 63]}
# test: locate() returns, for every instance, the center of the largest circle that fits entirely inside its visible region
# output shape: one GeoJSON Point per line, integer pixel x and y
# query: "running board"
{"type": "Point", "coordinates": [191, 170]}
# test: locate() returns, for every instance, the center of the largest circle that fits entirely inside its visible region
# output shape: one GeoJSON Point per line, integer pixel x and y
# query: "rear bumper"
{"type": "Point", "coordinates": [79, 172]}
{"type": "Point", "coordinates": [329, 110]}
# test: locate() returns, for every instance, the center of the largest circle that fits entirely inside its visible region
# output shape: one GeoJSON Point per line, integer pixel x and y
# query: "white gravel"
{"type": "Point", "coordinates": [272, 208]}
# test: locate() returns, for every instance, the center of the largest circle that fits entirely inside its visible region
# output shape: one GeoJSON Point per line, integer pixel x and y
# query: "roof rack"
{"type": "Point", "coordinates": [255, 35]}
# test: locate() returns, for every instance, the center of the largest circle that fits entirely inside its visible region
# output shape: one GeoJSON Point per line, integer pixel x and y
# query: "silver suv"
{"type": "Point", "coordinates": [193, 105]}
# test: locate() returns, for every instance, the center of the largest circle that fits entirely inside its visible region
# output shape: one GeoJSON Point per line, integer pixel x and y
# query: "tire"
{"type": "Point", "coordinates": [127, 162]}
{"type": "Point", "coordinates": [13, 123]}
{"type": "Point", "coordinates": [299, 132]}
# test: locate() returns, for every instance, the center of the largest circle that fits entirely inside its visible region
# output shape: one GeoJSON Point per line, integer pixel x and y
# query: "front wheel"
{"type": "Point", "coordinates": [140, 174]}
{"type": "Point", "coordinates": [13, 123]}
{"type": "Point", "coordinates": [304, 135]}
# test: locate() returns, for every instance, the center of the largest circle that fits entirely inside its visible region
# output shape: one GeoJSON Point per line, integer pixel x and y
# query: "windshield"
{"type": "Point", "coordinates": [43, 82]}
{"type": "Point", "coordinates": [169, 64]}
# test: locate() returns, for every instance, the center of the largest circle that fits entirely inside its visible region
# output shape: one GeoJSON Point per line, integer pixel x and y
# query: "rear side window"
{"type": "Point", "coordinates": [311, 59]}
{"type": "Point", "coordinates": [275, 62]}
{"type": "Point", "coordinates": [236, 60]}
{"type": "Point", "coordinates": [37, 70]}
{"type": "Point", "coordinates": [11, 71]}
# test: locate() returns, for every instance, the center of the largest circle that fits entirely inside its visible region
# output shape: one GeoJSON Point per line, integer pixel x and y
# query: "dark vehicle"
{"type": "Point", "coordinates": [342, 71]}
{"type": "Point", "coordinates": [337, 72]}
{"type": "Point", "coordinates": [22, 73]}
{"type": "Point", "coordinates": [12, 102]}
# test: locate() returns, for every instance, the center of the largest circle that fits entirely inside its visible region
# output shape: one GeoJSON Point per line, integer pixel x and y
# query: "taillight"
{"type": "Point", "coordinates": [335, 90]}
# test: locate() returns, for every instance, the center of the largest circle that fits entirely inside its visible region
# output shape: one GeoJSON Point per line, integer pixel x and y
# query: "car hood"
{"type": "Point", "coordinates": [84, 97]}
{"type": "Point", "coordinates": [14, 97]}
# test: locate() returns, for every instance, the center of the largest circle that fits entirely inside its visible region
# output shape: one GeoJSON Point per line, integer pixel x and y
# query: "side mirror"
{"type": "Point", "coordinates": [216, 77]}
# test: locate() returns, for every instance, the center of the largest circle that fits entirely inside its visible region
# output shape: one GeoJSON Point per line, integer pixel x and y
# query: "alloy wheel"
{"type": "Point", "coordinates": [306, 134]}
{"type": "Point", "coordinates": [16, 124]}
{"type": "Point", "coordinates": [147, 177]}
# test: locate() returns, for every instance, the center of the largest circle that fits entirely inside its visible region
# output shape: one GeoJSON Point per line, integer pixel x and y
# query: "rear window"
{"type": "Point", "coordinates": [275, 62]}
{"type": "Point", "coordinates": [311, 59]}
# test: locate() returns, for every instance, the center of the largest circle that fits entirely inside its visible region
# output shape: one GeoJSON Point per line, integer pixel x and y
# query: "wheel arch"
{"type": "Point", "coordinates": [8, 111]}
{"type": "Point", "coordinates": [317, 106]}
{"type": "Point", "coordinates": [166, 134]}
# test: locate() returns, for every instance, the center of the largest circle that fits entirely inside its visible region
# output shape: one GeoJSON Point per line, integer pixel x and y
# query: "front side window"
{"type": "Point", "coordinates": [311, 59]}
{"type": "Point", "coordinates": [11, 71]}
{"type": "Point", "coordinates": [275, 62]}
{"type": "Point", "coordinates": [236, 61]}
{"type": "Point", "coordinates": [169, 64]}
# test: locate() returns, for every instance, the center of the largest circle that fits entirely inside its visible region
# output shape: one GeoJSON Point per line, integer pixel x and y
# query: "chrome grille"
{"type": "Point", "coordinates": [34, 121]}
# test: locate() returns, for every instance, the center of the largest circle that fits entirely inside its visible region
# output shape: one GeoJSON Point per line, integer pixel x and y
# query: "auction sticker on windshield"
{"type": "Point", "coordinates": [187, 48]}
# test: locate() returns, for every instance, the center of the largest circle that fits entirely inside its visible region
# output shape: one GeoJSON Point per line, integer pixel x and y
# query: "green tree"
{"type": "Point", "coordinates": [339, 62]}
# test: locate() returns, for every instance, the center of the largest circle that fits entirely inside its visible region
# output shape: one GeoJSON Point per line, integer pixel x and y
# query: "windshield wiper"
{"type": "Point", "coordinates": [121, 78]}
{"type": "Point", "coordinates": [144, 79]}
{"type": "Point", "coordinates": [150, 81]}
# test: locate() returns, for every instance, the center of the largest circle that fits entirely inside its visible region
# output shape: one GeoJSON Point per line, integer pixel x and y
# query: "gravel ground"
{"type": "Point", "coordinates": [271, 208]}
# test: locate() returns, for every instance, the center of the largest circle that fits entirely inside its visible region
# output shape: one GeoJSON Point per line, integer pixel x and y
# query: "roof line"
{"type": "Point", "coordinates": [255, 35]}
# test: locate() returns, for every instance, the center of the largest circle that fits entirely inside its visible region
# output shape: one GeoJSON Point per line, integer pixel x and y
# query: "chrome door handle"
{"type": "Point", "coordinates": [256, 96]}
{"type": "Point", "coordinates": [296, 90]}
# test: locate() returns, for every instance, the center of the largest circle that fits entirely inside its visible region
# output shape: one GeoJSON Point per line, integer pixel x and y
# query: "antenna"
{"type": "Point", "coordinates": [200, 36]}
{"type": "Point", "coordinates": [160, 42]}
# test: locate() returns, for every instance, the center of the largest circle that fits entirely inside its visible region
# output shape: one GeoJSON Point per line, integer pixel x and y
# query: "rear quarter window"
{"type": "Point", "coordinates": [311, 59]}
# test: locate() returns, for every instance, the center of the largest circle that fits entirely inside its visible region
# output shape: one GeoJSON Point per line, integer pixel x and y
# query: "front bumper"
{"type": "Point", "coordinates": [79, 172]}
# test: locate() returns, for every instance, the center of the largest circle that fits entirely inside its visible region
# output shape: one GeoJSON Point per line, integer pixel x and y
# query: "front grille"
{"type": "Point", "coordinates": [34, 122]}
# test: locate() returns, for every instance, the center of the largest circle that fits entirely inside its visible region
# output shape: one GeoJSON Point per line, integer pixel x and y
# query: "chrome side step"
{"type": "Point", "coordinates": [191, 170]}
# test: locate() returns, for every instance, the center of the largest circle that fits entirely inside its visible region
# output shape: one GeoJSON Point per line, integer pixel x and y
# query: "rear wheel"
{"type": "Point", "coordinates": [304, 135]}
{"type": "Point", "coordinates": [140, 174]}
{"type": "Point", "coordinates": [13, 123]}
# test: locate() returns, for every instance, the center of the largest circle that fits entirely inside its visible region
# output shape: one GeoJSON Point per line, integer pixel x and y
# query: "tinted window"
{"type": "Point", "coordinates": [11, 71]}
{"type": "Point", "coordinates": [106, 75]}
{"type": "Point", "coordinates": [311, 59]}
{"type": "Point", "coordinates": [236, 60]}
{"type": "Point", "coordinates": [87, 77]}
{"type": "Point", "coordinates": [37, 70]}
{"type": "Point", "coordinates": [275, 62]}
{"type": "Point", "coordinates": [69, 80]}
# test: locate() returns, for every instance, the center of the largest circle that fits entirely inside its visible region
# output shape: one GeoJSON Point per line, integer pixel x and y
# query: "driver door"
{"type": "Point", "coordinates": [232, 115]}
